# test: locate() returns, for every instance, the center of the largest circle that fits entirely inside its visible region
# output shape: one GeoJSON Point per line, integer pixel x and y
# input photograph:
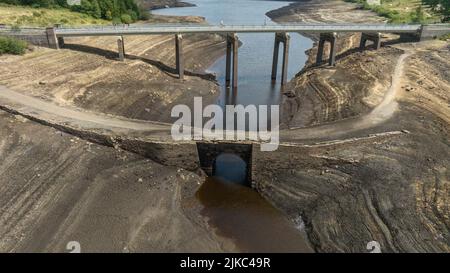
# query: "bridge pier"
{"type": "Point", "coordinates": [331, 38]}
{"type": "Point", "coordinates": [281, 38]}
{"type": "Point", "coordinates": [410, 37]}
{"type": "Point", "coordinates": [179, 55]}
{"type": "Point", "coordinates": [51, 38]}
{"type": "Point", "coordinates": [121, 47]}
{"type": "Point", "coordinates": [232, 47]}
{"type": "Point", "coordinates": [61, 42]}
{"type": "Point", "coordinates": [60, 39]}
{"type": "Point", "coordinates": [374, 37]}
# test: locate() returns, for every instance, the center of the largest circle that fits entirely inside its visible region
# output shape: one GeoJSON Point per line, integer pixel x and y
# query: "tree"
{"type": "Point", "coordinates": [122, 10]}
{"type": "Point", "coordinates": [126, 19]}
{"type": "Point", "coordinates": [95, 10]}
{"type": "Point", "coordinates": [419, 15]}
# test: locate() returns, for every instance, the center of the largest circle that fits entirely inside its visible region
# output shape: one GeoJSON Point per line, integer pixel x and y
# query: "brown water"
{"type": "Point", "coordinates": [241, 214]}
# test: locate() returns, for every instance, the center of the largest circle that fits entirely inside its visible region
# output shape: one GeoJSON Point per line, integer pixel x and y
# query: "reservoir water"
{"type": "Point", "coordinates": [255, 55]}
{"type": "Point", "coordinates": [233, 209]}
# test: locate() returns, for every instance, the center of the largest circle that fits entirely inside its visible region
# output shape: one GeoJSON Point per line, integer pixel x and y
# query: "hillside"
{"type": "Point", "coordinates": [40, 17]}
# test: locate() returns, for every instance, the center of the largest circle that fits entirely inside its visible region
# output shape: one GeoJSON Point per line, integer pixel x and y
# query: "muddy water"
{"type": "Point", "coordinates": [234, 209]}
{"type": "Point", "coordinates": [240, 213]}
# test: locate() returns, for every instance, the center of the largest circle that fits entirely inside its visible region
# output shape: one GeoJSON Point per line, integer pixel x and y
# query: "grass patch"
{"type": "Point", "coordinates": [402, 11]}
{"type": "Point", "coordinates": [445, 37]}
{"type": "Point", "coordinates": [12, 46]}
{"type": "Point", "coordinates": [42, 17]}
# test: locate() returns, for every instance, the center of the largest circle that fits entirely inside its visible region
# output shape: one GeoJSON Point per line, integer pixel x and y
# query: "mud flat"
{"type": "Point", "coordinates": [394, 189]}
{"type": "Point", "coordinates": [344, 189]}
{"type": "Point", "coordinates": [160, 4]}
{"type": "Point", "coordinates": [87, 74]}
{"type": "Point", "coordinates": [58, 188]}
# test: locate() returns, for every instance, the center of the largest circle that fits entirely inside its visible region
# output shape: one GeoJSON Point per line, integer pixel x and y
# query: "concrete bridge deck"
{"type": "Point", "coordinates": [195, 28]}
{"type": "Point", "coordinates": [54, 38]}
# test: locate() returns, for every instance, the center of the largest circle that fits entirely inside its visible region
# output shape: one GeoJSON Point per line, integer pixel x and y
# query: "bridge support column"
{"type": "Point", "coordinates": [179, 55]}
{"type": "Point", "coordinates": [60, 39]}
{"type": "Point", "coordinates": [121, 47]}
{"type": "Point", "coordinates": [51, 38]}
{"type": "Point", "coordinates": [374, 37]}
{"type": "Point", "coordinates": [331, 38]}
{"type": "Point", "coordinates": [61, 42]}
{"type": "Point", "coordinates": [232, 47]}
{"type": "Point", "coordinates": [410, 37]}
{"type": "Point", "coordinates": [281, 38]}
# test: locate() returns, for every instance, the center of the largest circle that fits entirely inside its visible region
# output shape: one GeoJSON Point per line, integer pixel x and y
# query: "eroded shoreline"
{"type": "Point", "coordinates": [393, 190]}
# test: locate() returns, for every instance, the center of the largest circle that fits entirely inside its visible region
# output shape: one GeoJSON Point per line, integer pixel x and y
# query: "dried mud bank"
{"type": "Point", "coordinates": [325, 11]}
{"type": "Point", "coordinates": [87, 74]}
{"type": "Point", "coordinates": [394, 189]}
{"type": "Point", "coordinates": [58, 188]}
{"type": "Point", "coordinates": [160, 4]}
{"type": "Point", "coordinates": [354, 87]}
{"type": "Point", "coordinates": [318, 95]}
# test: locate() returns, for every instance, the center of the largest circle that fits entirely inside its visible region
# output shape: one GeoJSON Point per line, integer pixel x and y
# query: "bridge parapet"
{"type": "Point", "coordinates": [434, 31]}
{"type": "Point", "coordinates": [229, 29]}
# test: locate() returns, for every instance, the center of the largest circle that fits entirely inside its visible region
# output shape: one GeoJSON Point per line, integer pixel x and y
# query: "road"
{"type": "Point", "coordinates": [179, 29]}
{"type": "Point", "coordinates": [379, 114]}
{"type": "Point", "coordinates": [40, 109]}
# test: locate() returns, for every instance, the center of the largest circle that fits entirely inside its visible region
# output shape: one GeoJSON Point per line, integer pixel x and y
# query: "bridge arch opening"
{"type": "Point", "coordinates": [230, 167]}
{"type": "Point", "coordinates": [230, 161]}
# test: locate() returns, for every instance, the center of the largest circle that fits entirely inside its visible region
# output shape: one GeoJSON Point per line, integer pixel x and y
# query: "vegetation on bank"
{"type": "Point", "coordinates": [445, 37]}
{"type": "Point", "coordinates": [410, 11]}
{"type": "Point", "coordinates": [117, 11]}
{"type": "Point", "coordinates": [12, 46]}
{"type": "Point", "coordinates": [41, 17]}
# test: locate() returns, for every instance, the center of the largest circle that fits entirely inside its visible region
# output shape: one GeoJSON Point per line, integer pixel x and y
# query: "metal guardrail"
{"type": "Point", "coordinates": [195, 28]}
{"type": "Point", "coordinates": [22, 31]}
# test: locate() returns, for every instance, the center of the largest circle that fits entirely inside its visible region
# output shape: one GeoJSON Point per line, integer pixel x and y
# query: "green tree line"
{"type": "Point", "coordinates": [440, 6]}
{"type": "Point", "coordinates": [119, 11]}
{"type": "Point", "coordinates": [37, 3]}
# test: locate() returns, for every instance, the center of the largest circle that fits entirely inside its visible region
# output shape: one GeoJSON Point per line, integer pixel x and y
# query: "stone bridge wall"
{"type": "Point", "coordinates": [208, 152]}
{"type": "Point", "coordinates": [33, 36]}
{"type": "Point", "coordinates": [434, 31]}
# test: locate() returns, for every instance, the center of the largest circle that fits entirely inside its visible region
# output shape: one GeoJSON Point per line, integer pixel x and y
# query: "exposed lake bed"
{"type": "Point", "coordinates": [386, 183]}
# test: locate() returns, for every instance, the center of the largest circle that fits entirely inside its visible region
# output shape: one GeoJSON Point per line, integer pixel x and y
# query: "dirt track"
{"type": "Point", "coordinates": [58, 188]}
{"type": "Point", "coordinates": [383, 111]}
{"type": "Point", "coordinates": [393, 189]}
{"type": "Point", "coordinates": [87, 74]}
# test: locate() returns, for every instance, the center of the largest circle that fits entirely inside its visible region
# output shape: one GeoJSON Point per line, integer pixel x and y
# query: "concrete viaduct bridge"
{"type": "Point", "coordinates": [328, 34]}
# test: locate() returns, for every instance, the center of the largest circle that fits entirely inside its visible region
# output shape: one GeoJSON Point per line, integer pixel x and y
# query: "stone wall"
{"type": "Point", "coordinates": [207, 153]}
